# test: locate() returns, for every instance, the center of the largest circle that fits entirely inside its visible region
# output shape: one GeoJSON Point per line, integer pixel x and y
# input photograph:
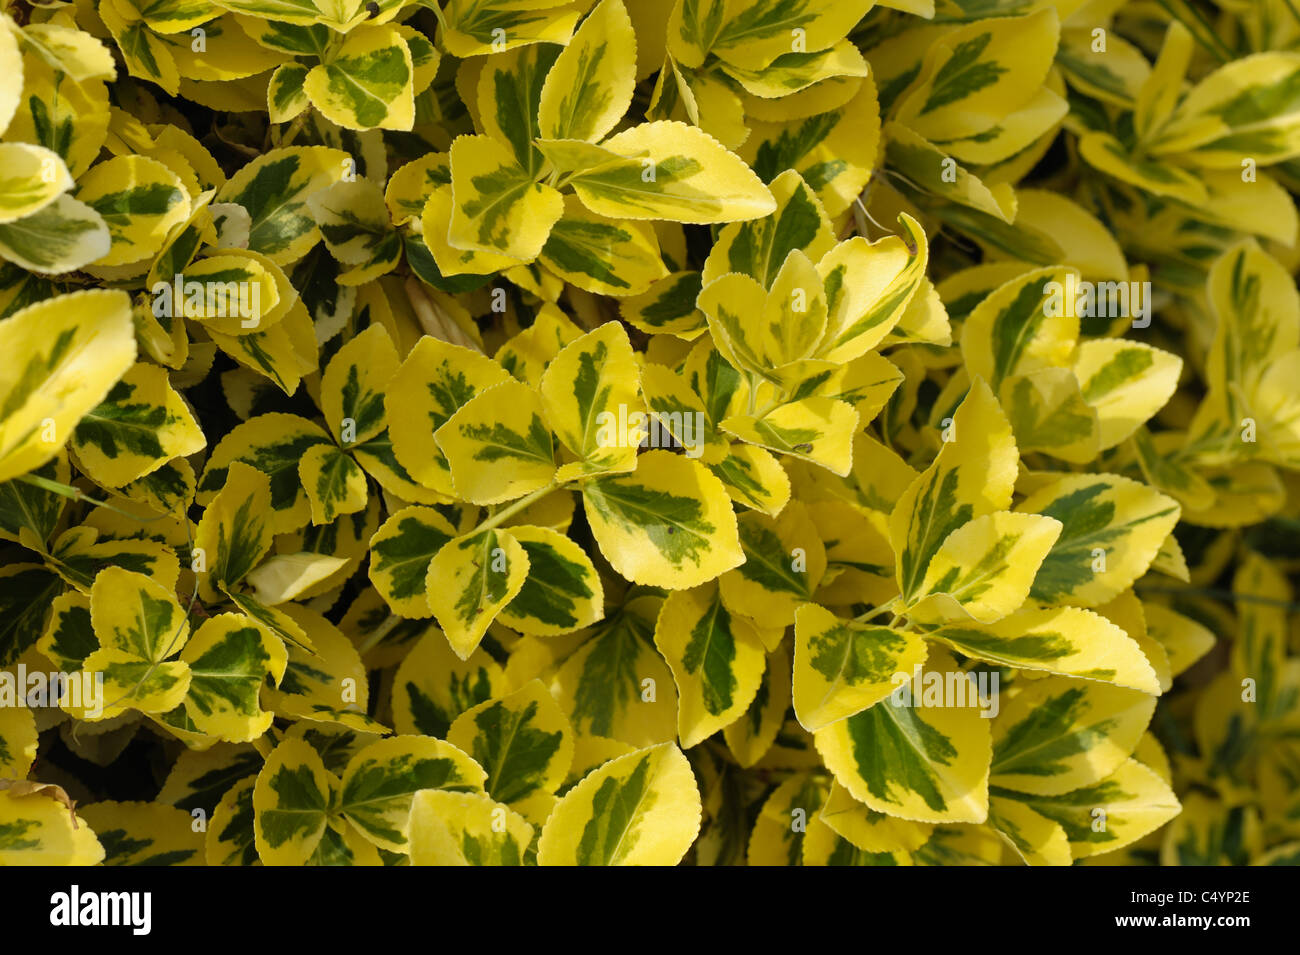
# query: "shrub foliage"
{"type": "Point", "coordinates": [518, 432]}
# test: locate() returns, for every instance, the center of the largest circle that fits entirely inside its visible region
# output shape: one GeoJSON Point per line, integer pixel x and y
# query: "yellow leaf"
{"type": "Point", "coordinates": [62, 356]}
{"type": "Point", "coordinates": [639, 809]}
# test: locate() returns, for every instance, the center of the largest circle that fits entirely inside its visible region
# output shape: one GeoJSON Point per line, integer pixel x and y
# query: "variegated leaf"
{"type": "Point", "coordinates": [523, 741]}
{"type": "Point", "coordinates": [592, 399]}
{"type": "Point", "coordinates": [972, 476]}
{"type": "Point", "coordinates": [367, 83]}
{"type": "Point", "coordinates": [433, 686]}
{"type": "Point", "coordinates": [1112, 529]}
{"type": "Point", "coordinates": [1055, 735]}
{"type": "Point", "coordinates": [1067, 640]}
{"type": "Point", "coordinates": [915, 759]}
{"type": "Point", "coordinates": [842, 667]}
{"type": "Point", "coordinates": [669, 524]}
{"type": "Point", "coordinates": [672, 171]}
{"type": "Point", "coordinates": [589, 87]}
{"type": "Point", "coordinates": [140, 425]}
{"type": "Point", "coordinates": [498, 445]}
{"type": "Point", "coordinates": [470, 580]}
{"type": "Point", "coordinates": [717, 660]}
{"type": "Point", "coordinates": [229, 659]}
{"type": "Point", "coordinates": [563, 591]}
{"type": "Point", "coordinates": [450, 829]}
{"type": "Point", "coordinates": [273, 189]}
{"type": "Point", "coordinates": [616, 685]}
{"type": "Point", "coordinates": [66, 353]}
{"type": "Point", "coordinates": [639, 809]}
{"type": "Point", "coordinates": [379, 782]}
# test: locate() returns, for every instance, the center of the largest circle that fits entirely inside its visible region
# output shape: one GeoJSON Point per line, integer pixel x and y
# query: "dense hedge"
{"type": "Point", "coordinates": [631, 432]}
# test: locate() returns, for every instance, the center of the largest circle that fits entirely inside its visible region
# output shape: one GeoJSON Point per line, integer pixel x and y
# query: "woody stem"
{"type": "Point", "coordinates": [495, 519]}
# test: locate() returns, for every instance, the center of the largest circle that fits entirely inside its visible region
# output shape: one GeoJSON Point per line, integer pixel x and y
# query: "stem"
{"type": "Point", "coordinates": [377, 636]}
{"type": "Point", "coordinates": [332, 47]}
{"type": "Point", "coordinates": [501, 515]}
{"type": "Point", "coordinates": [76, 494]}
{"type": "Point", "coordinates": [873, 614]}
{"type": "Point", "coordinates": [862, 206]}
{"type": "Point", "coordinates": [437, 12]}
{"type": "Point", "coordinates": [55, 487]}
{"type": "Point", "coordinates": [295, 127]}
